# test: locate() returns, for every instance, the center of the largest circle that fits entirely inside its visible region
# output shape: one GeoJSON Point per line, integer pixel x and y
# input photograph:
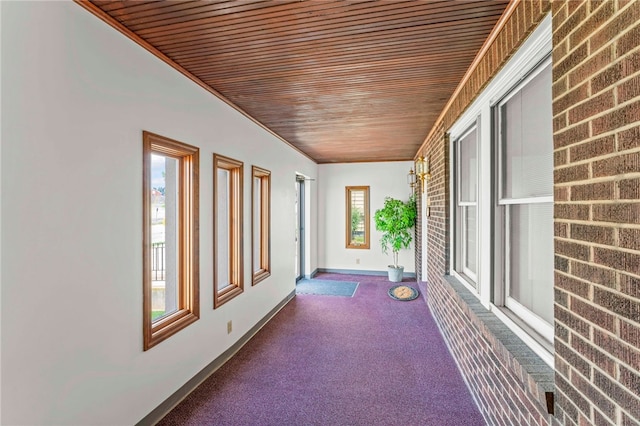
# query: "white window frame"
{"type": "Point", "coordinates": [523, 315]}
{"type": "Point", "coordinates": [465, 275]}
{"type": "Point", "coordinates": [534, 51]}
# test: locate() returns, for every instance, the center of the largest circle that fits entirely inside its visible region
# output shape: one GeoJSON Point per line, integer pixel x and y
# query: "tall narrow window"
{"type": "Point", "coordinates": [261, 224]}
{"type": "Point", "coordinates": [525, 201]}
{"type": "Point", "coordinates": [357, 220]}
{"type": "Point", "coordinates": [170, 237]}
{"type": "Point", "coordinates": [466, 247]}
{"type": "Point", "coordinates": [227, 212]}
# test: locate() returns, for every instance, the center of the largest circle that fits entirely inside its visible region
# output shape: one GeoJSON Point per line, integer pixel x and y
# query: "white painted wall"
{"type": "Point", "coordinates": [76, 96]}
{"type": "Point", "coordinates": [384, 179]}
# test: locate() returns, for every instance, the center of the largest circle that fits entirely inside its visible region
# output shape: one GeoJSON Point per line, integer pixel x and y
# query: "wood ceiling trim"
{"type": "Point", "coordinates": [96, 11]}
{"type": "Point", "coordinates": [511, 7]}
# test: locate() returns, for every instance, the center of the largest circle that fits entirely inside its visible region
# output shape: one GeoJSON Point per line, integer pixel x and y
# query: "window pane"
{"type": "Point", "coordinates": [170, 237]}
{"type": "Point", "coordinates": [530, 254]}
{"type": "Point", "coordinates": [257, 222]}
{"type": "Point", "coordinates": [468, 167]}
{"type": "Point", "coordinates": [164, 236]}
{"type": "Point", "coordinates": [222, 229]}
{"type": "Point", "coordinates": [357, 217]}
{"type": "Point", "coordinates": [357, 226]}
{"type": "Point", "coordinates": [526, 122]}
{"type": "Point", "coordinates": [470, 244]}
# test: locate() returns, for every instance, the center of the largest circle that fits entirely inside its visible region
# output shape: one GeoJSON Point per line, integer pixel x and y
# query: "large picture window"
{"type": "Point", "coordinates": [261, 224]}
{"type": "Point", "coordinates": [357, 218]}
{"type": "Point", "coordinates": [227, 228]}
{"type": "Point", "coordinates": [525, 201]}
{"type": "Point", "coordinates": [170, 237]}
{"type": "Point", "coordinates": [466, 212]}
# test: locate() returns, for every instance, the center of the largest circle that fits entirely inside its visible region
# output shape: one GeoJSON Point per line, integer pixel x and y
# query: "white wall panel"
{"type": "Point", "coordinates": [76, 96]}
{"type": "Point", "coordinates": [384, 179]}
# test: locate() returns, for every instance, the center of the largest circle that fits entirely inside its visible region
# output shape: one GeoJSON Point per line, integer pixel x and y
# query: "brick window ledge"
{"type": "Point", "coordinates": [535, 376]}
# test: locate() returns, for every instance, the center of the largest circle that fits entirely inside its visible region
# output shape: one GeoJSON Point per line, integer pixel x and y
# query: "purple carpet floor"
{"type": "Point", "coordinates": [330, 360]}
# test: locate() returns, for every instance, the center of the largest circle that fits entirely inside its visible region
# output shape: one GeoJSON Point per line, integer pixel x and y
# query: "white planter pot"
{"type": "Point", "coordinates": [395, 274]}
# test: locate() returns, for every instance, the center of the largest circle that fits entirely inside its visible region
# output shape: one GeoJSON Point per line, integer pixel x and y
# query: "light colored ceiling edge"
{"type": "Point", "coordinates": [105, 17]}
{"type": "Point", "coordinates": [511, 7]}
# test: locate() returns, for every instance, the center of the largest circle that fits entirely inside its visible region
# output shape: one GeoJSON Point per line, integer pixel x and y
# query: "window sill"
{"type": "Point", "coordinates": [534, 374]}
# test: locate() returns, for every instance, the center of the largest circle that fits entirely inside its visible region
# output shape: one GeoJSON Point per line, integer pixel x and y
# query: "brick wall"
{"type": "Point", "coordinates": [501, 373]}
{"type": "Point", "coordinates": [596, 107]}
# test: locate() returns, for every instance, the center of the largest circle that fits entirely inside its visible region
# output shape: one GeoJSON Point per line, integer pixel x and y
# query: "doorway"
{"type": "Point", "coordinates": [300, 227]}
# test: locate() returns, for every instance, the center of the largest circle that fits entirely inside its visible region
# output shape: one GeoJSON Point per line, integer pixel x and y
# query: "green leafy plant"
{"type": "Point", "coordinates": [395, 219]}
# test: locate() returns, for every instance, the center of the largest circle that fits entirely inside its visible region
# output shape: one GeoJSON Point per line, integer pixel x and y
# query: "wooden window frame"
{"type": "Point", "coordinates": [236, 284]}
{"type": "Point", "coordinates": [264, 270]}
{"type": "Point", "coordinates": [187, 249]}
{"type": "Point", "coordinates": [367, 234]}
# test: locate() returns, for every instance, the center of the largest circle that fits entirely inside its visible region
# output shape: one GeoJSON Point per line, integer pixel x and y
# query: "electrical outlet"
{"type": "Point", "coordinates": [229, 327]}
{"type": "Point", "coordinates": [357, 261]}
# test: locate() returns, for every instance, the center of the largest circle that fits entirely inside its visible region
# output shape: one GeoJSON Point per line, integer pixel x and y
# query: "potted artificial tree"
{"type": "Point", "coordinates": [395, 219]}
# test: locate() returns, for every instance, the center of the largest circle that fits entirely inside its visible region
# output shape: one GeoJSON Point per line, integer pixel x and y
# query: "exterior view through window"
{"type": "Point", "coordinates": [227, 211]}
{"type": "Point", "coordinates": [261, 223]}
{"type": "Point", "coordinates": [357, 219]}
{"type": "Point", "coordinates": [170, 206]}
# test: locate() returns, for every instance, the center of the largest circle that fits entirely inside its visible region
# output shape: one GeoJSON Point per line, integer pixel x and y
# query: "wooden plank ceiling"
{"type": "Point", "coordinates": [343, 81]}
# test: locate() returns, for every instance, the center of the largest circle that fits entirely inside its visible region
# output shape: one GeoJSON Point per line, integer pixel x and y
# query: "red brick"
{"type": "Point", "coordinates": [571, 211]}
{"type": "Point", "coordinates": [595, 396]}
{"type": "Point", "coordinates": [571, 285]}
{"type": "Point", "coordinates": [599, 317]}
{"type": "Point", "coordinates": [595, 105]}
{"type": "Point", "coordinates": [626, 400]}
{"type": "Point", "coordinates": [630, 64]}
{"type": "Point", "coordinates": [629, 238]}
{"type": "Point", "coordinates": [617, 118]}
{"type": "Point", "coordinates": [562, 67]}
{"type": "Point", "coordinates": [562, 29]}
{"type": "Point", "coordinates": [617, 348]}
{"type": "Point", "coordinates": [576, 398]}
{"type": "Point", "coordinates": [561, 229]}
{"type": "Point", "coordinates": [593, 148]}
{"type": "Point", "coordinates": [621, 260]}
{"type": "Point", "coordinates": [594, 64]}
{"type": "Point", "coordinates": [571, 174]}
{"type": "Point", "coordinates": [561, 193]}
{"type": "Point", "coordinates": [588, 27]}
{"type": "Point", "coordinates": [593, 191]}
{"type": "Point", "coordinates": [592, 233]}
{"type": "Point", "coordinates": [593, 354]}
{"type": "Point", "coordinates": [610, 31]}
{"type": "Point", "coordinates": [629, 139]}
{"type": "Point", "coordinates": [559, 122]}
{"type": "Point", "coordinates": [619, 212]}
{"type": "Point", "coordinates": [571, 98]}
{"type": "Point", "coordinates": [607, 78]}
{"type": "Point", "coordinates": [629, 89]}
{"type": "Point", "coordinates": [629, 333]}
{"type": "Point", "coordinates": [572, 250]}
{"type": "Point", "coordinates": [630, 380]}
{"type": "Point", "coordinates": [620, 164]}
{"type": "Point", "coordinates": [593, 273]}
{"type": "Point", "coordinates": [571, 135]}
{"type": "Point", "coordinates": [560, 157]}
{"type": "Point", "coordinates": [628, 41]}
{"type": "Point", "coordinates": [620, 305]}
{"type": "Point", "coordinates": [575, 360]}
{"type": "Point", "coordinates": [630, 286]}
